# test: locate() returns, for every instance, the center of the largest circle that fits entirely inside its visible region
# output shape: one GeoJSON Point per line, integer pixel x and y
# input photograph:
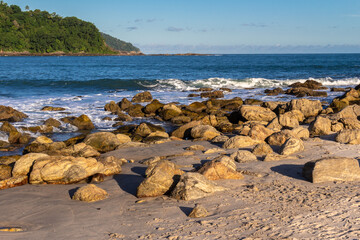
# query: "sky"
{"type": "Point", "coordinates": [226, 26]}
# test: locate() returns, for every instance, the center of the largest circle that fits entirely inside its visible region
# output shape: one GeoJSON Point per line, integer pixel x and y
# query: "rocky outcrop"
{"type": "Point", "coordinates": [83, 122]}
{"type": "Point", "coordinates": [193, 186]}
{"type": "Point", "coordinates": [332, 169]}
{"type": "Point", "coordinates": [50, 108]}
{"type": "Point", "coordinates": [257, 113]}
{"type": "Point", "coordinates": [351, 136]}
{"type": "Point", "coordinates": [23, 165]}
{"type": "Point", "coordinates": [11, 115]}
{"type": "Point", "coordinates": [259, 132]}
{"type": "Point", "coordinates": [310, 108]}
{"type": "Point", "coordinates": [240, 142]}
{"type": "Point", "coordinates": [142, 97]}
{"type": "Point", "coordinates": [90, 193]}
{"type": "Point", "coordinates": [184, 130]}
{"type": "Point", "coordinates": [204, 132]}
{"type": "Point", "coordinates": [102, 141]}
{"type": "Point", "coordinates": [321, 126]}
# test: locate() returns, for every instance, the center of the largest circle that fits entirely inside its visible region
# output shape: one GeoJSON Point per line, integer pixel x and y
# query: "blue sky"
{"type": "Point", "coordinates": [227, 26]}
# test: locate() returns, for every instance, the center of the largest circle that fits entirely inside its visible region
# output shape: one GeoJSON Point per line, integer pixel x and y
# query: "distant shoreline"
{"type": "Point", "coordinates": [28, 54]}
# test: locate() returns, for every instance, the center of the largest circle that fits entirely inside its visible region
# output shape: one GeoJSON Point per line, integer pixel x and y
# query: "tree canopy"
{"type": "Point", "coordinates": [39, 31]}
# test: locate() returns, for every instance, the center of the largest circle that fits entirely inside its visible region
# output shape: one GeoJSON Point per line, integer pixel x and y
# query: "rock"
{"type": "Point", "coordinates": [153, 107]}
{"type": "Point", "coordinates": [102, 141]}
{"type": "Point", "coordinates": [240, 142]}
{"type": "Point", "coordinates": [204, 132]}
{"type": "Point", "coordinates": [81, 150]}
{"type": "Point", "coordinates": [192, 95]}
{"type": "Point", "coordinates": [7, 160]}
{"type": "Point", "coordinates": [216, 170]}
{"type": "Point", "coordinates": [336, 127]}
{"type": "Point", "coordinates": [272, 105]}
{"type": "Point", "coordinates": [123, 117]}
{"type": "Point", "coordinates": [321, 126]}
{"type": "Point", "coordinates": [311, 84]}
{"type": "Point", "coordinates": [4, 144]}
{"type": "Point", "coordinates": [11, 115]}
{"type": "Point", "coordinates": [349, 98]}
{"type": "Point", "coordinates": [272, 157]}
{"type": "Point", "coordinates": [14, 137]}
{"type": "Point", "coordinates": [352, 111]}
{"type": "Point", "coordinates": [347, 123]}
{"type": "Point", "coordinates": [112, 165]}
{"type": "Point", "coordinates": [90, 193]}
{"type": "Point", "coordinates": [220, 139]}
{"type": "Point", "coordinates": [227, 161]}
{"type": "Point", "coordinates": [112, 107]}
{"type": "Point", "coordinates": [198, 212]}
{"type": "Point", "coordinates": [274, 92]}
{"type": "Point", "coordinates": [64, 170]}
{"type": "Point", "coordinates": [257, 113]}
{"type": "Point", "coordinates": [43, 147]}
{"type": "Point", "coordinates": [5, 172]}
{"type": "Point", "coordinates": [279, 138]}
{"type": "Point", "coordinates": [124, 104]}
{"type": "Point", "coordinates": [292, 145]}
{"type": "Point", "coordinates": [214, 94]}
{"type": "Point", "coordinates": [351, 136]}
{"type": "Point", "coordinates": [39, 129]}
{"type": "Point", "coordinates": [242, 156]}
{"type": "Point", "coordinates": [13, 182]}
{"type": "Point", "coordinates": [158, 134]}
{"type": "Point", "coordinates": [262, 149]}
{"type": "Point", "coordinates": [332, 169]}
{"type": "Point", "coordinates": [142, 130]}
{"type": "Point", "coordinates": [193, 186]}
{"type": "Point", "coordinates": [196, 148]}
{"type": "Point", "coordinates": [214, 150]}
{"type": "Point", "coordinates": [274, 125]}
{"type": "Point", "coordinates": [310, 108]}
{"type": "Point", "coordinates": [180, 120]}
{"type": "Point", "coordinates": [302, 92]}
{"type": "Point", "coordinates": [300, 132]}
{"type": "Point", "coordinates": [259, 132]}
{"type": "Point", "coordinates": [135, 111]}
{"type": "Point", "coordinates": [52, 122]}
{"type": "Point", "coordinates": [196, 107]}
{"type": "Point", "coordinates": [123, 138]}
{"type": "Point", "coordinates": [185, 130]}
{"type": "Point", "coordinates": [169, 111]}
{"type": "Point", "coordinates": [142, 97]}
{"type": "Point", "coordinates": [291, 119]}
{"type": "Point", "coordinates": [75, 140]}
{"type": "Point", "coordinates": [83, 122]}
{"type": "Point", "coordinates": [7, 127]}
{"type": "Point", "coordinates": [159, 179]}
{"type": "Point", "coordinates": [253, 102]}
{"type": "Point", "coordinates": [23, 165]}
{"type": "Point", "coordinates": [49, 108]}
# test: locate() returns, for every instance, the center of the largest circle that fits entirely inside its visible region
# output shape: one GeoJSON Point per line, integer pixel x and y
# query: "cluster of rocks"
{"type": "Point", "coordinates": [298, 89]}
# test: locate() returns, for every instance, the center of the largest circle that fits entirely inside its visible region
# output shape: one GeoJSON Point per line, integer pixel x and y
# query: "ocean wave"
{"type": "Point", "coordinates": [169, 84]}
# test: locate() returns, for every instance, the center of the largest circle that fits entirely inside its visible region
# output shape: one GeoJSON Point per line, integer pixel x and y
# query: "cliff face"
{"type": "Point", "coordinates": [39, 32]}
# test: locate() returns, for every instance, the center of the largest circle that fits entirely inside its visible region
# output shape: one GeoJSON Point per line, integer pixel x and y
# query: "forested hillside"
{"type": "Point", "coordinates": [38, 31]}
{"type": "Point", "coordinates": [119, 45]}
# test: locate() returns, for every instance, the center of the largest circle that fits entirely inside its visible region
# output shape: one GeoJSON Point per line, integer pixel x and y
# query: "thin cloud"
{"type": "Point", "coordinates": [132, 28]}
{"type": "Point", "coordinates": [353, 15]}
{"type": "Point", "coordinates": [253, 25]}
{"type": "Point", "coordinates": [174, 29]}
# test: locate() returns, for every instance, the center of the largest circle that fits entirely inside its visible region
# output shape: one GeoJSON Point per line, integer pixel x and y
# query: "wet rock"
{"type": "Point", "coordinates": [143, 130]}
{"type": "Point", "coordinates": [44, 145]}
{"type": "Point", "coordinates": [204, 132]}
{"type": "Point", "coordinates": [7, 127]}
{"type": "Point", "coordinates": [214, 170]}
{"type": "Point", "coordinates": [22, 165]}
{"type": "Point", "coordinates": [180, 120]}
{"type": "Point", "coordinates": [257, 113]}
{"type": "Point", "coordinates": [159, 179]}
{"type": "Point", "coordinates": [13, 182]}
{"type": "Point", "coordinates": [349, 98]}
{"type": "Point", "coordinates": [11, 115]}
{"type": "Point", "coordinates": [196, 107]}
{"type": "Point", "coordinates": [90, 193]}
{"type": "Point", "coordinates": [50, 108]}
{"type": "Point", "coordinates": [153, 107]}
{"type": "Point", "coordinates": [14, 137]}
{"type": "Point", "coordinates": [52, 122]}
{"type": "Point", "coordinates": [125, 104]}
{"type": "Point", "coordinates": [102, 141]}
{"type": "Point", "coordinates": [192, 95]}
{"type": "Point", "coordinates": [259, 132]}
{"type": "Point", "coordinates": [83, 122]}
{"type": "Point", "coordinates": [124, 117]}
{"type": "Point", "coordinates": [332, 169]}
{"type": "Point", "coordinates": [135, 111]}
{"type": "Point", "coordinates": [262, 149]}
{"type": "Point", "coordinates": [310, 84]}
{"type": "Point", "coordinates": [214, 94]}
{"type": "Point", "coordinates": [242, 156]}
{"type": "Point", "coordinates": [184, 131]}
{"type": "Point", "coordinates": [240, 142]}
{"type": "Point", "coordinates": [5, 172]}
{"type": "Point", "coordinates": [253, 102]}
{"type": "Point", "coordinates": [351, 136]}
{"type": "Point", "coordinates": [303, 92]}
{"type": "Point", "coordinates": [274, 92]}
{"type": "Point", "coordinates": [194, 186]}
{"type": "Point", "coordinates": [310, 108]}
{"type": "Point", "coordinates": [142, 97]}
{"type": "Point", "coordinates": [292, 145]}
{"type": "Point", "coordinates": [39, 129]}
{"type": "Point", "coordinates": [198, 212]}
{"type": "Point", "coordinates": [123, 138]}
{"type": "Point", "coordinates": [112, 107]}
{"type": "Point", "coordinates": [75, 140]}
{"type": "Point", "coordinates": [321, 126]}
{"type": "Point", "coordinates": [169, 111]}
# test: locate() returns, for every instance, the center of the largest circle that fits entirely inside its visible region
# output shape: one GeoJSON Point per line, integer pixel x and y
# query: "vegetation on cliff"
{"type": "Point", "coordinates": [119, 45]}
{"type": "Point", "coordinates": [38, 31]}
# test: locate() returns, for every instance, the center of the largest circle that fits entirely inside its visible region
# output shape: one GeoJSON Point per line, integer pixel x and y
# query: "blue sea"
{"type": "Point", "coordinates": [83, 85]}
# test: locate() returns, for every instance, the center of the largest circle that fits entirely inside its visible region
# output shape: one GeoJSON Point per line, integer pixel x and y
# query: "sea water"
{"type": "Point", "coordinates": [83, 85]}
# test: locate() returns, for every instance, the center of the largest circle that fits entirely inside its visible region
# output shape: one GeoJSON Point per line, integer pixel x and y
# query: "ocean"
{"type": "Point", "coordinates": [83, 85]}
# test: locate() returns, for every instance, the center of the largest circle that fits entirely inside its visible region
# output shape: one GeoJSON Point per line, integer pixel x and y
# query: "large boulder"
{"type": "Point", "coordinates": [7, 127]}
{"type": "Point", "coordinates": [291, 119]}
{"type": "Point", "coordinates": [321, 126]}
{"type": "Point", "coordinates": [11, 115]}
{"type": "Point", "coordinates": [350, 123]}
{"type": "Point", "coordinates": [216, 170]}
{"type": "Point", "coordinates": [332, 169]}
{"type": "Point", "coordinates": [64, 170]}
{"type": "Point", "coordinates": [83, 122]}
{"type": "Point", "coordinates": [112, 107]}
{"type": "Point", "coordinates": [102, 141]}
{"type": "Point", "coordinates": [193, 186]}
{"type": "Point", "coordinates": [204, 132]}
{"type": "Point", "coordinates": [279, 138]}
{"type": "Point", "coordinates": [242, 156]}
{"type": "Point", "coordinates": [13, 182]}
{"type": "Point", "coordinates": [292, 145]}
{"type": "Point", "coordinates": [351, 136]}
{"type": "Point", "coordinates": [185, 130]}
{"type": "Point", "coordinates": [5, 172]}
{"type": "Point", "coordinates": [240, 142]}
{"type": "Point", "coordinates": [310, 108]}
{"type": "Point", "coordinates": [196, 107]}
{"type": "Point", "coordinates": [257, 113]}
{"type": "Point", "coordinates": [260, 132]}
{"type": "Point", "coordinates": [159, 179]}
{"type": "Point", "coordinates": [153, 107]}
{"type": "Point", "coordinates": [23, 165]}
{"type": "Point", "coordinates": [112, 165]}
{"type": "Point", "coordinates": [142, 97]}
{"type": "Point", "coordinates": [90, 193]}
{"type": "Point", "coordinates": [262, 149]}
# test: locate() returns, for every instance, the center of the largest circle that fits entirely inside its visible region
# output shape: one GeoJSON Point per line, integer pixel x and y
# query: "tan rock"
{"type": "Point", "coordinates": [257, 113]}
{"type": "Point", "coordinates": [194, 186]}
{"type": "Point", "coordinates": [198, 212]}
{"type": "Point", "coordinates": [242, 156]}
{"type": "Point", "coordinates": [332, 169]}
{"type": "Point", "coordinates": [289, 119]}
{"type": "Point", "coordinates": [216, 170]}
{"type": "Point", "coordinates": [42, 140]}
{"type": "Point", "coordinates": [292, 145]}
{"type": "Point", "coordinates": [180, 132]}
{"type": "Point", "coordinates": [321, 126]}
{"type": "Point", "coordinates": [142, 130]}
{"type": "Point", "coordinates": [279, 138]}
{"type": "Point", "coordinates": [259, 132]}
{"type": "Point", "coordinates": [274, 125]}
{"type": "Point", "coordinates": [272, 157]}
{"type": "Point", "coordinates": [83, 122]}
{"type": "Point", "coordinates": [13, 182]}
{"type": "Point", "coordinates": [204, 132]}
{"type": "Point", "coordinates": [300, 132]}
{"type": "Point", "coordinates": [112, 165]}
{"type": "Point", "coordinates": [90, 193]}
{"type": "Point", "coordinates": [102, 141]}
{"type": "Point", "coordinates": [240, 142]}
{"type": "Point", "coordinates": [5, 172]}
{"type": "Point", "coordinates": [112, 107]}
{"type": "Point", "coordinates": [196, 148]}
{"type": "Point", "coordinates": [262, 149]}
{"type": "Point", "coordinates": [351, 136]}
{"type": "Point", "coordinates": [23, 165]}
{"type": "Point", "coordinates": [336, 127]}
{"type": "Point", "coordinates": [348, 123]}
{"type": "Point", "coordinates": [214, 150]}
{"type": "Point", "coordinates": [50, 108]}
{"type": "Point", "coordinates": [7, 127]}
{"type": "Point", "coordinates": [159, 134]}
{"type": "Point", "coordinates": [142, 97]}
{"type": "Point", "coordinates": [310, 108]}
{"type": "Point", "coordinates": [11, 115]}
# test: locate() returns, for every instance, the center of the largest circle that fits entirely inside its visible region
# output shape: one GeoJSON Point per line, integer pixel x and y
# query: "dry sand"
{"type": "Point", "coordinates": [273, 201]}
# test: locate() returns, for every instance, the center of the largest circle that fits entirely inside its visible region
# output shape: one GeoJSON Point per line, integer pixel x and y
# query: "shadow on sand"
{"type": "Point", "coordinates": [290, 170]}
{"type": "Point", "coordinates": [130, 182]}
